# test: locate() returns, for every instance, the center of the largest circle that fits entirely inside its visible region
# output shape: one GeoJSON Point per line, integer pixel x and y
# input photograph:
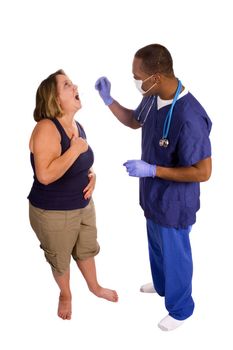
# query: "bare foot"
{"type": "Point", "coordinates": [108, 294]}
{"type": "Point", "coordinates": [64, 307]}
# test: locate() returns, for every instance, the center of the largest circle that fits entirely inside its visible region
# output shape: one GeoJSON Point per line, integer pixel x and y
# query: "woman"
{"type": "Point", "coordinates": [61, 209]}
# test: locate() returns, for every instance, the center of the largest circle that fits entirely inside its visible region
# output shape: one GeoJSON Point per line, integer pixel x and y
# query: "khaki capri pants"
{"type": "Point", "coordinates": [65, 233]}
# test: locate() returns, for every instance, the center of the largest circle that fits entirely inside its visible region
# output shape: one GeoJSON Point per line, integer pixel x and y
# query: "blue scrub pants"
{"type": "Point", "coordinates": [171, 267]}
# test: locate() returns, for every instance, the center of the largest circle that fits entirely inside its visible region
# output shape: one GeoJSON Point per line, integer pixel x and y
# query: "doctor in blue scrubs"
{"type": "Point", "coordinates": [176, 157]}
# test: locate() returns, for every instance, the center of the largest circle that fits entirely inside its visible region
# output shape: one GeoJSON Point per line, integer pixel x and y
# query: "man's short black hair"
{"type": "Point", "coordinates": [156, 59]}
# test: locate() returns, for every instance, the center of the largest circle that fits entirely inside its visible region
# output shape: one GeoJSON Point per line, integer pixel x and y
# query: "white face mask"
{"type": "Point", "coordinates": [139, 83]}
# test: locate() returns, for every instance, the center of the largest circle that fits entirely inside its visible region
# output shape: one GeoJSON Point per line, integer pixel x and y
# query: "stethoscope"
{"type": "Point", "coordinates": [163, 142]}
{"type": "Point", "coordinates": [150, 99]}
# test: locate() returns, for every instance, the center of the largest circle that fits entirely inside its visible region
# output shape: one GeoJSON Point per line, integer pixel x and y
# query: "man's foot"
{"type": "Point", "coordinates": [64, 307]}
{"type": "Point", "coordinates": [108, 294]}
{"type": "Point", "coordinates": [169, 323]}
{"type": "Point", "coordinates": [147, 288]}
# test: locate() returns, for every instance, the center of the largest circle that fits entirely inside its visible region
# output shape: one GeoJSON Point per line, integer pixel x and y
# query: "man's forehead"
{"type": "Point", "coordinates": [136, 64]}
{"type": "Point", "coordinates": [136, 67]}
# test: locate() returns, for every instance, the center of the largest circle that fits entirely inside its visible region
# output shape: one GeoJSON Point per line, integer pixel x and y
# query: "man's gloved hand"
{"type": "Point", "coordinates": [139, 168]}
{"type": "Point", "coordinates": [103, 85]}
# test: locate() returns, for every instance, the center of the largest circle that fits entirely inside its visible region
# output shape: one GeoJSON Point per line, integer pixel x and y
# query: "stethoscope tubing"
{"type": "Point", "coordinates": [166, 127]}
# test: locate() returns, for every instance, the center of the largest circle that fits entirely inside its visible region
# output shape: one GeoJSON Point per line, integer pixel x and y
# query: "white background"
{"type": "Point", "coordinates": [89, 39]}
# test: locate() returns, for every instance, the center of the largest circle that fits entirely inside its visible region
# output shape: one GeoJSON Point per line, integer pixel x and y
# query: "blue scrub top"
{"type": "Point", "coordinates": [170, 203]}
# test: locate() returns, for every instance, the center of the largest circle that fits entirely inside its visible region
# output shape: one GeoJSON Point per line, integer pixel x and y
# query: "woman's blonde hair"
{"type": "Point", "coordinates": [47, 105]}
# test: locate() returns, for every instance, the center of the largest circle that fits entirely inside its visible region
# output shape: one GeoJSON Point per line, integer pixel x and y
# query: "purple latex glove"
{"type": "Point", "coordinates": [139, 168]}
{"type": "Point", "coordinates": [103, 85]}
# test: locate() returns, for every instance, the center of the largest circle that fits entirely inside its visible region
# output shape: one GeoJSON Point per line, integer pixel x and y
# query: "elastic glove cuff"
{"type": "Point", "coordinates": [152, 170]}
{"type": "Point", "coordinates": [108, 100]}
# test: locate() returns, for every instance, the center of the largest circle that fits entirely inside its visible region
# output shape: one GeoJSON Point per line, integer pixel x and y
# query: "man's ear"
{"type": "Point", "coordinates": [157, 78]}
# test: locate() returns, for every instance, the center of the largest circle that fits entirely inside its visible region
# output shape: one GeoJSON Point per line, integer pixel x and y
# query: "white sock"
{"type": "Point", "coordinates": [147, 288]}
{"type": "Point", "coordinates": [169, 323]}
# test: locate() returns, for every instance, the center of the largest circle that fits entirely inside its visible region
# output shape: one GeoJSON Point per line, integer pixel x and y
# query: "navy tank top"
{"type": "Point", "coordinates": [66, 193]}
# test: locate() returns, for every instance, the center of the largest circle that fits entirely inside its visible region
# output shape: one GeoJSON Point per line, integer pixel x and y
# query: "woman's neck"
{"type": "Point", "coordinates": [67, 120]}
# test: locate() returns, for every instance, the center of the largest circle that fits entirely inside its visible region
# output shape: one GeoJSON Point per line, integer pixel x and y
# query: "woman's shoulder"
{"type": "Point", "coordinates": [46, 122]}
{"type": "Point", "coordinates": [45, 127]}
{"type": "Point", "coordinates": [45, 131]}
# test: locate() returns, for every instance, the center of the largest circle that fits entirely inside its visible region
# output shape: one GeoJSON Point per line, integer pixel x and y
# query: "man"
{"type": "Point", "coordinates": [176, 157]}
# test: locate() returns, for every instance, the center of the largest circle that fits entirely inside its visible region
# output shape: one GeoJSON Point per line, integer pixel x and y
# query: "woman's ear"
{"type": "Point", "coordinates": [58, 100]}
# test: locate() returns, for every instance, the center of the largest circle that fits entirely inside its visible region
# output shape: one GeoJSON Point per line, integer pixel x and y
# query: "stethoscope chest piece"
{"type": "Point", "coordinates": [163, 143]}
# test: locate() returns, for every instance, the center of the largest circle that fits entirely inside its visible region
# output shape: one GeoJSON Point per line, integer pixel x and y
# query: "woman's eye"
{"type": "Point", "coordinates": [67, 84]}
